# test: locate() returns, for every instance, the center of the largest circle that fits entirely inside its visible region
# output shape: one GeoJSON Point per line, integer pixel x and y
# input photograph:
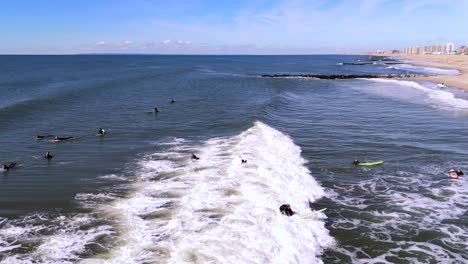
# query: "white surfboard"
{"type": "Point", "coordinates": [313, 213]}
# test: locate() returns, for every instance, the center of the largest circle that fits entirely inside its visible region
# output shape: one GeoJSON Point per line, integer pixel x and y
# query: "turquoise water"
{"type": "Point", "coordinates": [134, 195]}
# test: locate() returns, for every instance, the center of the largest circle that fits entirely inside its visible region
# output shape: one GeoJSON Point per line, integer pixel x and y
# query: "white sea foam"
{"type": "Point", "coordinates": [417, 93]}
{"type": "Point", "coordinates": [430, 210]}
{"type": "Point", "coordinates": [55, 239]}
{"type": "Point", "coordinates": [428, 70]}
{"type": "Point", "coordinates": [219, 210]}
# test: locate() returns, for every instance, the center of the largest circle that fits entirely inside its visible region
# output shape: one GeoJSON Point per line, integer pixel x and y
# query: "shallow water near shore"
{"type": "Point", "coordinates": [135, 196]}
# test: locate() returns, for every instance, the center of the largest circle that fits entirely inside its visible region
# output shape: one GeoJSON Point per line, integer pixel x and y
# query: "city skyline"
{"type": "Point", "coordinates": [242, 27]}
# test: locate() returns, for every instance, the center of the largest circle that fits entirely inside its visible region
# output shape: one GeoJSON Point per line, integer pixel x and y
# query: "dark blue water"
{"type": "Point", "coordinates": [85, 202]}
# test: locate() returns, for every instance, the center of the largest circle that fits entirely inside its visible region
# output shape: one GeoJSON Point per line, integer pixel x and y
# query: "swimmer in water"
{"type": "Point", "coordinates": [244, 161]}
{"type": "Point", "coordinates": [194, 157]}
{"type": "Point", "coordinates": [172, 101]}
{"type": "Point", "coordinates": [48, 156]}
{"type": "Point", "coordinates": [101, 132]}
{"type": "Point", "coordinates": [156, 110]}
{"type": "Point", "coordinates": [356, 162]}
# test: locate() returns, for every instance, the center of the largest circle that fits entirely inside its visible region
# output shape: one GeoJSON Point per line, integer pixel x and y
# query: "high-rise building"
{"type": "Point", "coordinates": [448, 48]}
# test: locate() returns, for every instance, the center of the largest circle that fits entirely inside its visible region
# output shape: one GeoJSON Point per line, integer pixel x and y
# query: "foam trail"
{"type": "Point", "coordinates": [441, 98]}
{"type": "Point", "coordinates": [219, 210]}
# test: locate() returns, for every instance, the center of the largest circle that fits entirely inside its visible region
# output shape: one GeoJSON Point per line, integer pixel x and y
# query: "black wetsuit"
{"type": "Point", "coordinates": [62, 138]}
{"type": "Point", "coordinates": [9, 166]}
{"type": "Point", "coordinates": [195, 157]}
{"type": "Point", "coordinates": [286, 209]}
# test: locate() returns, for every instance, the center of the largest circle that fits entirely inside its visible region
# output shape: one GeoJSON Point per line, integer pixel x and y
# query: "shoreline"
{"type": "Point", "coordinates": [457, 62]}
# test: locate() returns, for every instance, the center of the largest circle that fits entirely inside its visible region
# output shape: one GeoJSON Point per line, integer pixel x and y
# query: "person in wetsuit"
{"type": "Point", "coordinates": [244, 161]}
{"type": "Point", "coordinates": [48, 155]}
{"type": "Point", "coordinates": [9, 166]}
{"type": "Point", "coordinates": [172, 101]}
{"type": "Point", "coordinates": [57, 138]}
{"type": "Point", "coordinates": [286, 210]}
{"type": "Point", "coordinates": [356, 162]}
{"type": "Point", "coordinates": [459, 172]}
{"type": "Point", "coordinates": [101, 132]}
{"type": "Point", "coordinates": [194, 157]}
{"type": "Point", "coordinates": [156, 110]}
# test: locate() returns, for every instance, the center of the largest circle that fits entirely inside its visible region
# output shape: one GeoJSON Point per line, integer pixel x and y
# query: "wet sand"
{"type": "Point", "coordinates": [458, 62]}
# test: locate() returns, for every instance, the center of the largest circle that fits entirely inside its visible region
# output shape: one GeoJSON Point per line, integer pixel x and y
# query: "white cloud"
{"type": "Point", "coordinates": [167, 42]}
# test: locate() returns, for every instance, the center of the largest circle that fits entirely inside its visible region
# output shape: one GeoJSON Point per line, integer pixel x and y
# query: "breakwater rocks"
{"type": "Point", "coordinates": [342, 76]}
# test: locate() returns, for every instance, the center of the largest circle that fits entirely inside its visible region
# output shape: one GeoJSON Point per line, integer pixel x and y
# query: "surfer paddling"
{"type": "Point", "coordinates": [58, 139]}
{"type": "Point", "coordinates": [7, 167]}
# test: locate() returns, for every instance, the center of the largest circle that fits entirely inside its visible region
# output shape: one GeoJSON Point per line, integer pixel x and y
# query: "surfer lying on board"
{"type": "Point", "coordinates": [244, 161]}
{"type": "Point", "coordinates": [42, 137]}
{"type": "Point", "coordinates": [372, 163]}
{"type": "Point", "coordinates": [57, 139]}
{"type": "Point", "coordinates": [9, 166]}
{"type": "Point", "coordinates": [286, 210]}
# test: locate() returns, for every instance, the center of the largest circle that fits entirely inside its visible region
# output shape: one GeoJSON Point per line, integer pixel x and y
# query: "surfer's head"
{"type": "Point", "coordinates": [356, 162]}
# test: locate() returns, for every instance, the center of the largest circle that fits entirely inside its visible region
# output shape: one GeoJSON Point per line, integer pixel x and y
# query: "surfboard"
{"type": "Point", "coordinates": [371, 163]}
{"type": "Point", "coordinates": [313, 213]}
{"type": "Point", "coordinates": [441, 86]}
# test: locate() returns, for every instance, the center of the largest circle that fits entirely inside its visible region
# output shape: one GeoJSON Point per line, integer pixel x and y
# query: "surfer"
{"type": "Point", "coordinates": [48, 156]}
{"type": "Point", "coordinates": [57, 138]}
{"type": "Point", "coordinates": [9, 166]}
{"type": "Point", "coordinates": [194, 157]}
{"type": "Point", "coordinates": [156, 110]}
{"type": "Point", "coordinates": [101, 132]}
{"type": "Point", "coordinates": [459, 172]}
{"type": "Point", "coordinates": [356, 162]}
{"type": "Point", "coordinates": [172, 101]}
{"type": "Point", "coordinates": [244, 161]}
{"type": "Point", "coordinates": [286, 210]}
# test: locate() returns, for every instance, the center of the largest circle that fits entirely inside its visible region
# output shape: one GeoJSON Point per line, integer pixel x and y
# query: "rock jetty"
{"type": "Point", "coordinates": [342, 76]}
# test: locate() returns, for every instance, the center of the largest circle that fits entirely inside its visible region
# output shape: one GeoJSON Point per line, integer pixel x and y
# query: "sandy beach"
{"type": "Point", "coordinates": [458, 62]}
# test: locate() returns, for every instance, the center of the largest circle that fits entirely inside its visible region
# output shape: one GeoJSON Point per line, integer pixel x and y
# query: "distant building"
{"type": "Point", "coordinates": [462, 50]}
{"type": "Point", "coordinates": [448, 48]}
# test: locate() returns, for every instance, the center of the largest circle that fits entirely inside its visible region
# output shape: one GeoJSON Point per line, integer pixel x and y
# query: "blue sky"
{"type": "Point", "coordinates": [227, 27]}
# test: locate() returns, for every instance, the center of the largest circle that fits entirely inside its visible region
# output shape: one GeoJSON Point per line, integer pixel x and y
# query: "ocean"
{"type": "Point", "coordinates": [135, 195]}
